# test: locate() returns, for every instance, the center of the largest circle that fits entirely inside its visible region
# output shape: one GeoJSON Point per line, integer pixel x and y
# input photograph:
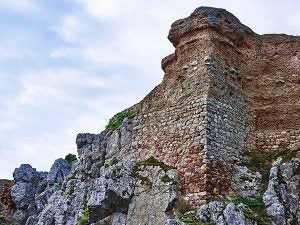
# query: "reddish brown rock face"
{"type": "Point", "coordinates": [226, 89]}
{"type": "Point", "coordinates": [5, 197]}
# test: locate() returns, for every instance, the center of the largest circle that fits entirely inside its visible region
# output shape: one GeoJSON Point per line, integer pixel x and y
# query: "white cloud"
{"type": "Point", "coordinates": [9, 52]}
{"type": "Point", "coordinates": [42, 87]}
{"type": "Point", "coordinates": [19, 6]}
{"type": "Point", "coordinates": [101, 9]}
{"type": "Point", "coordinates": [70, 28]}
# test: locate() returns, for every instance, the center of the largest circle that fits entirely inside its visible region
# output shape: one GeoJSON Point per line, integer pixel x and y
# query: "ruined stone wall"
{"type": "Point", "coordinates": [195, 128]}
{"type": "Point", "coordinates": [273, 87]}
{"type": "Point", "coordinates": [176, 136]}
{"type": "Point", "coordinates": [273, 140]}
{"type": "Point", "coordinates": [225, 90]}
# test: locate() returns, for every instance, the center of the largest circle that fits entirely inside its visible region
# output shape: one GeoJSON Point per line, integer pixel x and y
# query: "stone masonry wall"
{"type": "Point", "coordinates": [273, 140]}
{"type": "Point", "coordinates": [176, 136]}
{"type": "Point", "coordinates": [222, 94]}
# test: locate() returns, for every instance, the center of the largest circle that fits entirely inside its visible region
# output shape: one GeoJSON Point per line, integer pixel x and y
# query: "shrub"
{"type": "Point", "coordinates": [70, 158]}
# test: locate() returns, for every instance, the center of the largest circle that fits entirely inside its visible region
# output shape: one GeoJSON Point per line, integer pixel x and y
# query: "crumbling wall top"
{"type": "Point", "coordinates": [209, 18]}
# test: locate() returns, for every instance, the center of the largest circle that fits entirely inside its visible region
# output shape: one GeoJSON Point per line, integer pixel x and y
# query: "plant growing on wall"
{"type": "Point", "coordinates": [116, 122]}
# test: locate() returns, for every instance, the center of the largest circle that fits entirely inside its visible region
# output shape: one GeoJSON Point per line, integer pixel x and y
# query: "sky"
{"type": "Point", "coordinates": [67, 66]}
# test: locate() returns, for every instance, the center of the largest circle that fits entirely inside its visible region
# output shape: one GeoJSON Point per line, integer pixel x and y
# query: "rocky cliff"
{"type": "Point", "coordinates": [217, 142]}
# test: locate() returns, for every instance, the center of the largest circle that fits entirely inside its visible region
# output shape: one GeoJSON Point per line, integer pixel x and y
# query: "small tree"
{"type": "Point", "coordinates": [70, 158]}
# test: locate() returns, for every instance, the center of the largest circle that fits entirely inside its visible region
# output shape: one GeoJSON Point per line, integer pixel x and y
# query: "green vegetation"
{"type": "Point", "coordinates": [115, 173]}
{"type": "Point", "coordinates": [251, 203]}
{"type": "Point", "coordinates": [71, 190]}
{"type": "Point", "coordinates": [70, 158]}
{"type": "Point", "coordinates": [154, 162]}
{"type": "Point", "coordinates": [191, 219]}
{"type": "Point", "coordinates": [5, 222]}
{"type": "Point", "coordinates": [145, 180]}
{"type": "Point", "coordinates": [71, 176]}
{"type": "Point", "coordinates": [254, 210]}
{"type": "Point", "coordinates": [112, 162]}
{"type": "Point", "coordinates": [85, 218]}
{"type": "Point", "coordinates": [261, 161]}
{"type": "Point", "coordinates": [245, 178]}
{"type": "Point", "coordinates": [117, 120]}
{"type": "Point", "coordinates": [294, 221]}
{"type": "Point", "coordinates": [167, 179]}
{"type": "Point", "coordinates": [151, 162]}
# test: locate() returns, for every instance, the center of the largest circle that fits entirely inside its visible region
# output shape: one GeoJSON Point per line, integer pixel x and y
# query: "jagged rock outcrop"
{"type": "Point", "coordinates": [282, 198]}
{"type": "Point", "coordinates": [217, 142]}
{"type": "Point", "coordinates": [32, 189]}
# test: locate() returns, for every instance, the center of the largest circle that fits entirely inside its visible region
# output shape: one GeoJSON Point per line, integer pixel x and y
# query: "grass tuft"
{"type": "Point", "coordinates": [154, 162]}
{"type": "Point", "coordinates": [117, 121]}
{"type": "Point", "coordinates": [255, 210]}
{"type": "Point", "coordinates": [85, 218]}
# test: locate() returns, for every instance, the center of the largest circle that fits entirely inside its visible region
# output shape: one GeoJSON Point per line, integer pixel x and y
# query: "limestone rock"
{"type": "Point", "coordinates": [221, 214]}
{"type": "Point", "coordinates": [213, 211]}
{"type": "Point", "coordinates": [234, 216]}
{"type": "Point", "coordinates": [23, 194]}
{"type": "Point", "coordinates": [173, 222]}
{"type": "Point", "coordinates": [155, 189]}
{"type": "Point", "coordinates": [25, 173]}
{"type": "Point", "coordinates": [58, 172]}
{"type": "Point", "coordinates": [248, 183]}
{"type": "Point", "coordinates": [282, 196]}
{"type": "Point", "coordinates": [111, 192]}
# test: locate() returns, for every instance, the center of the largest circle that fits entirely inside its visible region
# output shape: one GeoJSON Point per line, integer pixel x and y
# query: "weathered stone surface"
{"type": "Point", "coordinates": [23, 194]}
{"type": "Point", "coordinates": [173, 222]}
{"type": "Point", "coordinates": [248, 183]}
{"type": "Point", "coordinates": [282, 196]}
{"type": "Point", "coordinates": [25, 173]}
{"type": "Point", "coordinates": [209, 18]}
{"type": "Point", "coordinates": [233, 215]}
{"type": "Point", "coordinates": [221, 214]}
{"type": "Point", "coordinates": [111, 192]}
{"type": "Point", "coordinates": [213, 211]}
{"type": "Point", "coordinates": [91, 152]}
{"type": "Point", "coordinates": [41, 200]}
{"type": "Point", "coordinates": [155, 189]}
{"type": "Point", "coordinates": [32, 189]}
{"type": "Point", "coordinates": [58, 172]}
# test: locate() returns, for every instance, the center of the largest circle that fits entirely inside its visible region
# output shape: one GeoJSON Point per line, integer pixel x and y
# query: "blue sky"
{"type": "Point", "coordinates": [67, 66]}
